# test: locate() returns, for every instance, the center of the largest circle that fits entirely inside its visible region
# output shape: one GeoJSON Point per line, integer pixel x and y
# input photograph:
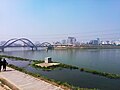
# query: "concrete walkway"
{"type": "Point", "coordinates": [20, 81]}
{"type": "Point", "coordinates": [1, 88]}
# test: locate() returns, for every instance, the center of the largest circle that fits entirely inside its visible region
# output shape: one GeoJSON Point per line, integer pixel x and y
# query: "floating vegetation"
{"type": "Point", "coordinates": [68, 66]}
{"type": "Point", "coordinates": [105, 74]}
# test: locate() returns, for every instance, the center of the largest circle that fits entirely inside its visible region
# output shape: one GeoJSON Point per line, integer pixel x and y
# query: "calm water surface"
{"type": "Point", "coordinates": [107, 60]}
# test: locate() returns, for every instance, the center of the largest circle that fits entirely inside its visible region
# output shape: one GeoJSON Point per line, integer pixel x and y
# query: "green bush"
{"type": "Point", "coordinates": [82, 69]}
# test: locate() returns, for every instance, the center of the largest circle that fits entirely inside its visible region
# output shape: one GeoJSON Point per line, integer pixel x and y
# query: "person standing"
{"type": "Point", "coordinates": [0, 63]}
{"type": "Point", "coordinates": [4, 64]}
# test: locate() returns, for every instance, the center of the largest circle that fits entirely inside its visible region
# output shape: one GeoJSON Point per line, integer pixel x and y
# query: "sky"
{"type": "Point", "coordinates": [54, 20]}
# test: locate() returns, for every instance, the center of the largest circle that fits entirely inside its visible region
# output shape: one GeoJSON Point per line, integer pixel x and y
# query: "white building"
{"type": "Point", "coordinates": [48, 60]}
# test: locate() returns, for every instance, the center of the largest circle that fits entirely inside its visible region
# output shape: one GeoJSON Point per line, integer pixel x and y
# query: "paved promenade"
{"type": "Point", "coordinates": [20, 81]}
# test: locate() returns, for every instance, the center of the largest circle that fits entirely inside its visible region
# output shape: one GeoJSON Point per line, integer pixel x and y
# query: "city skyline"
{"type": "Point", "coordinates": [68, 41]}
{"type": "Point", "coordinates": [52, 20]}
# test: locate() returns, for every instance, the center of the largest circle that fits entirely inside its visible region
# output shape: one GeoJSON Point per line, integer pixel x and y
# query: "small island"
{"type": "Point", "coordinates": [47, 63]}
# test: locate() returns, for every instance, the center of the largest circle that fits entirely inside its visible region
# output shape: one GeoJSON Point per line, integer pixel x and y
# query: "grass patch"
{"type": "Point", "coordinates": [105, 74]}
{"type": "Point", "coordinates": [16, 58]}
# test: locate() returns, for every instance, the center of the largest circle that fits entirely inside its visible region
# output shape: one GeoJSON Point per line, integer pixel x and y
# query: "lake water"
{"type": "Point", "coordinates": [107, 60]}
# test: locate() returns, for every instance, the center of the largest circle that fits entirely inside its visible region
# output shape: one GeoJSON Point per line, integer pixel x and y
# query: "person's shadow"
{"type": "Point", "coordinates": [8, 70]}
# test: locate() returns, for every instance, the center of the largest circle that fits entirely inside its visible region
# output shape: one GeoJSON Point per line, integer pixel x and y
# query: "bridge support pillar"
{"type": "Point", "coordinates": [36, 48]}
{"type": "Point", "coordinates": [2, 49]}
{"type": "Point", "coordinates": [32, 49]}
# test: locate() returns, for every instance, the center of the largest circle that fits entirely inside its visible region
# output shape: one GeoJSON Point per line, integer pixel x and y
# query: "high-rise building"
{"type": "Point", "coordinates": [98, 39]}
{"type": "Point", "coordinates": [95, 42]}
{"type": "Point", "coordinates": [107, 42]}
{"type": "Point", "coordinates": [71, 40]}
{"type": "Point", "coordinates": [64, 42]}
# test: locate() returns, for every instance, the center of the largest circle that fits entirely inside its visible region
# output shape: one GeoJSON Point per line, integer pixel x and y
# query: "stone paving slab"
{"type": "Point", "coordinates": [47, 64]}
{"type": "Point", "coordinates": [26, 82]}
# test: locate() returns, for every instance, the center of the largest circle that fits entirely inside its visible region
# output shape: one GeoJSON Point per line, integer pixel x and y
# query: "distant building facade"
{"type": "Point", "coordinates": [64, 42]}
{"type": "Point", "coordinates": [95, 42]}
{"type": "Point", "coordinates": [71, 40]}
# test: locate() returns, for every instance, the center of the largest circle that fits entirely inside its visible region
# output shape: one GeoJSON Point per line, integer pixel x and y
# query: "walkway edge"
{"type": "Point", "coordinates": [9, 84]}
{"type": "Point", "coordinates": [17, 80]}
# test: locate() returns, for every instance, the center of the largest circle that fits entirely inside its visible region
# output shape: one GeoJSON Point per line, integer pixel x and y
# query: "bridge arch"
{"type": "Point", "coordinates": [9, 41]}
{"type": "Point", "coordinates": [58, 43]}
{"type": "Point", "coordinates": [24, 40]}
{"type": "Point", "coordinates": [45, 44]}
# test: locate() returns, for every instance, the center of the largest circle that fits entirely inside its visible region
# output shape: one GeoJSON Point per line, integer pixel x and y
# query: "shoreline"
{"type": "Point", "coordinates": [88, 47]}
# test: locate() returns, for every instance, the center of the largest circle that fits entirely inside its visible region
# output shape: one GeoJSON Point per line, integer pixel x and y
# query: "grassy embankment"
{"type": "Point", "coordinates": [16, 58]}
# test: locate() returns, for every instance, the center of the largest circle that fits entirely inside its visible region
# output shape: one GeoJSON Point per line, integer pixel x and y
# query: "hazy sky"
{"type": "Point", "coordinates": [51, 20]}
